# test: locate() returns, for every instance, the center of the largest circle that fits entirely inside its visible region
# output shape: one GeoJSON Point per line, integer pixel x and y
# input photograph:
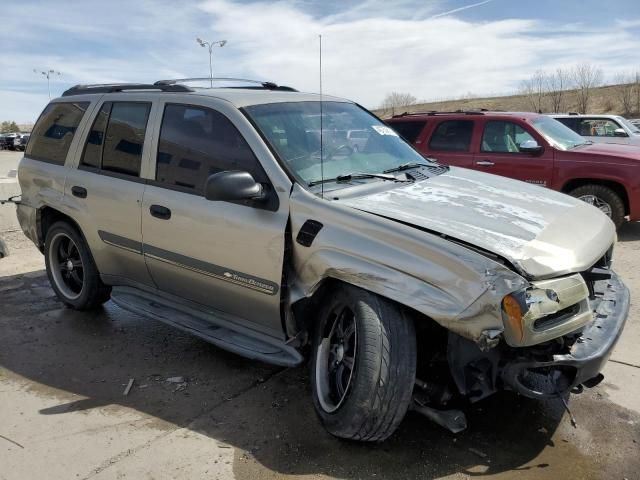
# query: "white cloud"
{"type": "Point", "coordinates": [370, 48]}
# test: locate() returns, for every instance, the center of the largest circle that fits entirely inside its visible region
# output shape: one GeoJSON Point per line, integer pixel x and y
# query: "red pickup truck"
{"type": "Point", "coordinates": [533, 148]}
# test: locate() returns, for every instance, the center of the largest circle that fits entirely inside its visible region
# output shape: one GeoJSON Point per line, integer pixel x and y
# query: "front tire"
{"type": "Point", "coordinates": [71, 270]}
{"type": "Point", "coordinates": [363, 365]}
{"type": "Point", "coordinates": [603, 198]}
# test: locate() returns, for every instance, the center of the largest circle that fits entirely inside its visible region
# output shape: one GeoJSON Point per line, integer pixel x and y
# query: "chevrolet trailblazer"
{"type": "Point", "coordinates": [245, 216]}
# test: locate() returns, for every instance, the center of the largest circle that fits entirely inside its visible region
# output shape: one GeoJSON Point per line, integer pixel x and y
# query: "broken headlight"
{"type": "Point", "coordinates": [547, 309]}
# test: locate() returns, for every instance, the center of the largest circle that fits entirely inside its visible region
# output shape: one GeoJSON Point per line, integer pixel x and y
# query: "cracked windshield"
{"type": "Point", "coordinates": [354, 143]}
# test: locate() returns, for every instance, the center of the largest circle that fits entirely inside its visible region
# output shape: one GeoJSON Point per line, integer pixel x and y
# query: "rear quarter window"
{"type": "Point", "coordinates": [54, 131]}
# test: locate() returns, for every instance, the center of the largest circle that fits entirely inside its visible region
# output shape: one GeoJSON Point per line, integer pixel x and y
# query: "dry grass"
{"type": "Point", "coordinates": [604, 100]}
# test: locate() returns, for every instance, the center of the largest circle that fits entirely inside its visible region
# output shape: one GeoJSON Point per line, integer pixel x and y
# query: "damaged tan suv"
{"type": "Point", "coordinates": [244, 215]}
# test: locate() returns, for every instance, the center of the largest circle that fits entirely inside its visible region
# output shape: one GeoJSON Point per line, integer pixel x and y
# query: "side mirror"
{"type": "Point", "coordinates": [232, 185]}
{"type": "Point", "coordinates": [619, 132]}
{"type": "Point", "coordinates": [530, 146]}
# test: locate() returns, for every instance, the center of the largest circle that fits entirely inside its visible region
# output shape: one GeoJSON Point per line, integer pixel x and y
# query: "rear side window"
{"type": "Point", "coordinates": [116, 138]}
{"type": "Point", "coordinates": [452, 136]}
{"type": "Point", "coordinates": [410, 131]}
{"type": "Point", "coordinates": [572, 123]}
{"type": "Point", "coordinates": [196, 142]}
{"type": "Point", "coordinates": [54, 131]}
{"type": "Point", "coordinates": [125, 136]}
{"type": "Point", "coordinates": [92, 156]}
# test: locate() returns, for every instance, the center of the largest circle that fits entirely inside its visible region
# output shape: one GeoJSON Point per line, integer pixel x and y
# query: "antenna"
{"type": "Point", "coordinates": [321, 121]}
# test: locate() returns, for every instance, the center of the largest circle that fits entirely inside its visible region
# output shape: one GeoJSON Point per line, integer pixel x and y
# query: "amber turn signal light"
{"type": "Point", "coordinates": [513, 310]}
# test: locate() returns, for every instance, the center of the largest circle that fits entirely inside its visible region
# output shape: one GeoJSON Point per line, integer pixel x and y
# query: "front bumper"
{"type": "Point", "coordinates": [539, 377]}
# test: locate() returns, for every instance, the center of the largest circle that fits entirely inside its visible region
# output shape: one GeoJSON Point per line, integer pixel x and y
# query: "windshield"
{"type": "Point", "coordinates": [353, 140]}
{"type": "Point", "coordinates": [557, 134]}
{"type": "Point", "coordinates": [632, 128]}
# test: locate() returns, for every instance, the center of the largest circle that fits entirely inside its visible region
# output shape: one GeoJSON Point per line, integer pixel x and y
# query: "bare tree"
{"type": "Point", "coordinates": [534, 90]}
{"type": "Point", "coordinates": [395, 102]}
{"type": "Point", "coordinates": [625, 92]}
{"type": "Point", "coordinates": [586, 77]}
{"type": "Point", "coordinates": [556, 85]}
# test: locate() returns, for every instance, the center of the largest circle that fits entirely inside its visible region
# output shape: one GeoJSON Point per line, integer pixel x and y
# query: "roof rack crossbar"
{"type": "Point", "coordinates": [255, 83]}
{"type": "Point", "coordinates": [121, 87]}
{"type": "Point", "coordinates": [435, 112]}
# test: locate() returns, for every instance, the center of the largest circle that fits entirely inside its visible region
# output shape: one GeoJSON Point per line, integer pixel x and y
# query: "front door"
{"type": "Point", "coordinates": [105, 191]}
{"type": "Point", "coordinates": [228, 256]}
{"type": "Point", "coordinates": [500, 154]}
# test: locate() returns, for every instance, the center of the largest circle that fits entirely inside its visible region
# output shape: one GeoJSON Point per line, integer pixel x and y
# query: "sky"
{"type": "Point", "coordinates": [433, 49]}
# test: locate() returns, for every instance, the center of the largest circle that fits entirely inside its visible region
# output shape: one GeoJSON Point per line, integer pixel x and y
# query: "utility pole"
{"type": "Point", "coordinates": [48, 74]}
{"type": "Point", "coordinates": [210, 45]}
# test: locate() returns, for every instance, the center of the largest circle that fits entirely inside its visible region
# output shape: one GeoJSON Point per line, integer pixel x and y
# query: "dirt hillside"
{"type": "Point", "coordinates": [604, 100]}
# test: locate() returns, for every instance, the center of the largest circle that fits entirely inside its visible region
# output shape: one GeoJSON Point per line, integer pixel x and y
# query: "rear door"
{"type": "Point", "coordinates": [105, 191]}
{"type": "Point", "coordinates": [499, 152]}
{"type": "Point", "coordinates": [450, 142]}
{"type": "Point", "coordinates": [222, 255]}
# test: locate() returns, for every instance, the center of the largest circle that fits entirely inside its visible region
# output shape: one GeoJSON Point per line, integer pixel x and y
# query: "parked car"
{"type": "Point", "coordinates": [406, 282]}
{"type": "Point", "coordinates": [7, 140]}
{"type": "Point", "coordinates": [22, 145]}
{"type": "Point", "coordinates": [602, 128]}
{"type": "Point", "coordinates": [635, 122]}
{"type": "Point", "coordinates": [534, 148]}
{"type": "Point", "coordinates": [357, 139]}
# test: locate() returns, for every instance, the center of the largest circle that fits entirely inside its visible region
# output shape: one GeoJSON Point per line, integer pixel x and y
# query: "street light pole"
{"type": "Point", "coordinates": [210, 45]}
{"type": "Point", "coordinates": [47, 73]}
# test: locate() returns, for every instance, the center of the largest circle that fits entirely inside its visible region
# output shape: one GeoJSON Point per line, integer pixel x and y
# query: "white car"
{"type": "Point", "coordinates": [602, 128]}
{"type": "Point", "coordinates": [357, 139]}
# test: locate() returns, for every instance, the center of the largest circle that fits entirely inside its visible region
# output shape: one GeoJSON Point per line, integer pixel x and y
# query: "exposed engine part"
{"type": "Point", "coordinates": [432, 393]}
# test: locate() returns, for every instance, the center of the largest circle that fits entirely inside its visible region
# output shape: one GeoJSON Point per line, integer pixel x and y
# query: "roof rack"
{"type": "Point", "coordinates": [480, 111]}
{"type": "Point", "coordinates": [121, 87]}
{"type": "Point", "coordinates": [253, 84]}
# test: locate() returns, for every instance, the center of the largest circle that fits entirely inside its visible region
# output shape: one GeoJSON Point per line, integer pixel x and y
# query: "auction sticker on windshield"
{"type": "Point", "coordinates": [382, 130]}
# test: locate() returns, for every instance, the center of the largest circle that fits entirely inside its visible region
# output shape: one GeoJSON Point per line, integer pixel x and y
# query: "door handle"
{"type": "Point", "coordinates": [485, 163]}
{"type": "Point", "coordinates": [158, 211]}
{"type": "Point", "coordinates": [79, 192]}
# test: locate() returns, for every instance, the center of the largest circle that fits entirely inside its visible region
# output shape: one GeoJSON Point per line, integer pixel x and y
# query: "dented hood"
{"type": "Point", "coordinates": [541, 232]}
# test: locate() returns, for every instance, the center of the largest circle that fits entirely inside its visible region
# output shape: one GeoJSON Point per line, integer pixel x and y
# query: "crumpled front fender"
{"type": "Point", "coordinates": [457, 287]}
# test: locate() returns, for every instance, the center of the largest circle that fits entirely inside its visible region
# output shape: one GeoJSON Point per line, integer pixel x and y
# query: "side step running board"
{"type": "Point", "coordinates": [214, 329]}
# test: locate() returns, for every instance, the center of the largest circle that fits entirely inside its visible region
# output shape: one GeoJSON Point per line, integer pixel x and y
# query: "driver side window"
{"type": "Point", "coordinates": [503, 137]}
{"type": "Point", "coordinates": [196, 142]}
{"type": "Point", "coordinates": [597, 127]}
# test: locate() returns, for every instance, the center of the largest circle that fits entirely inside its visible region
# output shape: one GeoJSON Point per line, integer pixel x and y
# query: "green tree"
{"type": "Point", "coordinates": [9, 127]}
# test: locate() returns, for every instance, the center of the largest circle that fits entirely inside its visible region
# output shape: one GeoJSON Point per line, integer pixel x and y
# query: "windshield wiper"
{"type": "Point", "coordinates": [347, 177]}
{"type": "Point", "coordinates": [406, 166]}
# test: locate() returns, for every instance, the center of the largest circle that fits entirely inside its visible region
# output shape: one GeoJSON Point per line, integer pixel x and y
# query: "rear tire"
{"type": "Point", "coordinates": [604, 198]}
{"type": "Point", "coordinates": [370, 344]}
{"type": "Point", "coordinates": [71, 270]}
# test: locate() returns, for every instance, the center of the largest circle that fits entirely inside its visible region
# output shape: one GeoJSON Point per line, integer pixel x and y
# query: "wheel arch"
{"type": "Point", "coordinates": [614, 185]}
{"type": "Point", "coordinates": [307, 308]}
{"type": "Point", "coordinates": [46, 217]}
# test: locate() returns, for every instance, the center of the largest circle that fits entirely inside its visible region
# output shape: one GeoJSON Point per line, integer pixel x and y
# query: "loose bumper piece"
{"type": "Point", "coordinates": [541, 378]}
